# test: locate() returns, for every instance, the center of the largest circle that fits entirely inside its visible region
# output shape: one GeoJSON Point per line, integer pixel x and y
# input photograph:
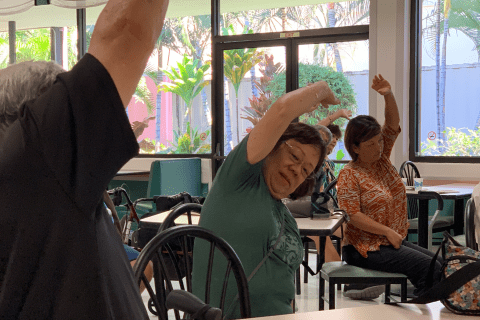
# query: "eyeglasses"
{"type": "Point", "coordinates": [296, 155]}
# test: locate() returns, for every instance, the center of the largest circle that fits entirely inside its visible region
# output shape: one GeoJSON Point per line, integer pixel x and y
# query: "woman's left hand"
{"type": "Point", "coordinates": [381, 85]}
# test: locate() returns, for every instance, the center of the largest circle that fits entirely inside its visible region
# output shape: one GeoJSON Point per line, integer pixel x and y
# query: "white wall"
{"type": "Point", "coordinates": [389, 55]}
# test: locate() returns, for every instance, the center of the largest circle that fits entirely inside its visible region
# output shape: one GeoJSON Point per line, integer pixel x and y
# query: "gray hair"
{"type": "Point", "coordinates": [325, 130]}
{"type": "Point", "coordinates": [23, 82]}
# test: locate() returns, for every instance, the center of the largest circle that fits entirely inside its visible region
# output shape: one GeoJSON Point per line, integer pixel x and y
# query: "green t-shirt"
{"type": "Point", "coordinates": [240, 209]}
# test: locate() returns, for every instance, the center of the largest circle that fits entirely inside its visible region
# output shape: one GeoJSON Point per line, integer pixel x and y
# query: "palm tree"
{"type": "Point", "coordinates": [237, 63]}
{"type": "Point", "coordinates": [463, 16]}
{"type": "Point", "coordinates": [187, 82]}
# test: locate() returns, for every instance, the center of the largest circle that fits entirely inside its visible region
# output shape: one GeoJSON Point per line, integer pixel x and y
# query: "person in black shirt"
{"type": "Point", "coordinates": [63, 136]}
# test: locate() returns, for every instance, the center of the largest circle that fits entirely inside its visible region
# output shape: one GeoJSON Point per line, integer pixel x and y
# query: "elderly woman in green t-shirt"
{"type": "Point", "coordinates": [277, 160]}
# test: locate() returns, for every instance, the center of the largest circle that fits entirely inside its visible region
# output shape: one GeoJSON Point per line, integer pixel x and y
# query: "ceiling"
{"type": "Point", "coordinates": [52, 16]}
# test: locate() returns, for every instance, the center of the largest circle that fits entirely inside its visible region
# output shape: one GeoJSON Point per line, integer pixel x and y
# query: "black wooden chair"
{"type": "Point", "coordinates": [171, 252]}
{"type": "Point", "coordinates": [470, 240]}
{"type": "Point", "coordinates": [186, 208]}
{"type": "Point", "coordinates": [440, 223]}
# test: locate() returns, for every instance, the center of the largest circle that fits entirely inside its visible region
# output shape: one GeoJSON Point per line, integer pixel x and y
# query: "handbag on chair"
{"type": "Point", "coordinates": [459, 289]}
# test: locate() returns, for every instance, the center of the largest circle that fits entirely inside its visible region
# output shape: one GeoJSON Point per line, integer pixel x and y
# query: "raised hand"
{"type": "Point", "coordinates": [381, 85]}
{"type": "Point", "coordinates": [325, 94]}
{"type": "Point", "coordinates": [344, 113]}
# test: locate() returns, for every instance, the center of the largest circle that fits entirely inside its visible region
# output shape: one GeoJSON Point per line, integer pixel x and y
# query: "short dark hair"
{"type": "Point", "coordinates": [335, 130]}
{"type": "Point", "coordinates": [304, 134]}
{"type": "Point", "coordinates": [360, 129]}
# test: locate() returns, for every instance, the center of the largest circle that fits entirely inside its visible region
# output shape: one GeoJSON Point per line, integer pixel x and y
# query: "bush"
{"type": "Point", "coordinates": [459, 142]}
{"type": "Point", "coordinates": [310, 73]}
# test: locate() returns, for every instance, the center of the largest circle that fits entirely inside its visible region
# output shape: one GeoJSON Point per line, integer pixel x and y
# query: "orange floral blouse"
{"type": "Point", "coordinates": [377, 192]}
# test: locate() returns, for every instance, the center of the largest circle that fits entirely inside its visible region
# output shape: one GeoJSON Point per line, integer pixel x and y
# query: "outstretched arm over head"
{"type": "Point", "coordinates": [392, 117]}
{"type": "Point", "coordinates": [123, 39]}
{"type": "Point", "coordinates": [270, 128]}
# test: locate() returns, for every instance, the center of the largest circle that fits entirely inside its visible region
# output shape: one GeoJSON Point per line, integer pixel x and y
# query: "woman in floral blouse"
{"type": "Point", "coordinates": [371, 191]}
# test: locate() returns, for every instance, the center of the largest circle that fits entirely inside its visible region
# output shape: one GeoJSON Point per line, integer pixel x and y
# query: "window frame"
{"type": "Point", "coordinates": [414, 93]}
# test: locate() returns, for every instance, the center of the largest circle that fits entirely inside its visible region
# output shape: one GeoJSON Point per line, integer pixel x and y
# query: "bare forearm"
{"type": "Point", "coordinates": [392, 116]}
{"type": "Point", "coordinates": [124, 37]}
{"type": "Point", "coordinates": [266, 133]}
{"type": "Point", "coordinates": [364, 222]}
{"type": "Point", "coordinates": [328, 120]}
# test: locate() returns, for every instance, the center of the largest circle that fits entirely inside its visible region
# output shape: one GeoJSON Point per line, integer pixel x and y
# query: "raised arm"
{"type": "Point", "coordinates": [269, 129]}
{"type": "Point", "coordinates": [123, 39]}
{"type": "Point", "coordinates": [342, 113]}
{"type": "Point", "coordinates": [392, 117]}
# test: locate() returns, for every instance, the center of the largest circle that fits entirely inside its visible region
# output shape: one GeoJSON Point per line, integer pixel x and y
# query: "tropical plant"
{"type": "Point", "coordinates": [237, 63]}
{"type": "Point", "coordinates": [186, 35]}
{"type": "Point", "coordinates": [259, 106]}
{"type": "Point", "coordinates": [190, 141]}
{"type": "Point", "coordinates": [310, 73]}
{"type": "Point", "coordinates": [459, 142]}
{"type": "Point", "coordinates": [463, 16]}
{"type": "Point", "coordinates": [187, 81]}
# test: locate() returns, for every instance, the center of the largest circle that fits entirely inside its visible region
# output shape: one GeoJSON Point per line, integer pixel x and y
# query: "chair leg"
{"type": "Point", "coordinates": [331, 295]}
{"type": "Point", "coordinates": [321, 294]}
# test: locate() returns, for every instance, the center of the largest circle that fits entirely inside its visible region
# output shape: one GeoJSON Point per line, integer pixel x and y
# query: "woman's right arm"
{"type": "Point", "coordinates": [364, 222]}
{"type": "Point", "coordinates": [265, 134]}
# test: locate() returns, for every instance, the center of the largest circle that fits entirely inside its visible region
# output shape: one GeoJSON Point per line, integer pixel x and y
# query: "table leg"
{"type": "Point", "coordinates": [423, 223]}
{"type": "Point", "coordinates": [320, 262]}
{"type": "Point", "coordinates": [458, 216]}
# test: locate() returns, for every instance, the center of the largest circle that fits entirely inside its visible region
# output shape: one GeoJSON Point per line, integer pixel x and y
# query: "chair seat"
{"type": "Point", "coordinates": [340, 269]}
{"type": "Point", "coordinates": [441, 222]}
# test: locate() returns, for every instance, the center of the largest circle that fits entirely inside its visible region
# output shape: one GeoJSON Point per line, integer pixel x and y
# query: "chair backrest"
{"type": "Point", "coordinates": [409, 170]}
{"type": "Point", "coordinates": [172, 176]}
{"type": "Point", "coordinates": [187, 208]}
{"type": "Point", "coordinates": [470, 240]}
{"type": "Point", "coordinates": [175, 246]}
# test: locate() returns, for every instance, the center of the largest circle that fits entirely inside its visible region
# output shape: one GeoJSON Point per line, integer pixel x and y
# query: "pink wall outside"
{"type": "Point", "coordinates": [137, 111]}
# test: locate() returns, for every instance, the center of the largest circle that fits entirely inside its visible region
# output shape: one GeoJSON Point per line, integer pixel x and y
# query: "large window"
{"type": "Point", "coordinates": [170, 112]}
{"type": "Point", "coordinates": [446, 91]}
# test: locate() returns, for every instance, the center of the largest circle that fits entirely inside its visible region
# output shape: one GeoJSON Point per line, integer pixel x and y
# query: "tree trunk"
{"type": "Point", "coordinates": [158, 102]}
{"type": "Point", "coordinates": [237, 118]}
{"type": "Point", "coordinates": [331, 24]}
{"type": "Point", "coordinates": [437, 69]}
{"type": "Point", "coordinates": [228, 124]}
{"type": "Point", "coordinates": [443, 75]}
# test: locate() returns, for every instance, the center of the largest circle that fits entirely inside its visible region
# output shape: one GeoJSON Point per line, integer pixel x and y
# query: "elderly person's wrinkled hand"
{"type": "Point", "coordinates": [344, 113]}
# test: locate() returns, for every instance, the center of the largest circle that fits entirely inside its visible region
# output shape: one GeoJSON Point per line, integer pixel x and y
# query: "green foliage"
{"type": "Point", "coordinates": [338, 167]}
{"type": "Point", "coordinates": [340, 155]}
{"type": "Point", "coordinates": [190, 142]}
{"type": "Point", "coordinates": [239, 61]}
{"type": "Point", "coordinates": [144, 95]}
{"type": "Point", "coordinates": [459, 142]}
{"type": "Point", "coordinates": [310, 73]}
{"type": "Point", "coordinates": [187, 81]}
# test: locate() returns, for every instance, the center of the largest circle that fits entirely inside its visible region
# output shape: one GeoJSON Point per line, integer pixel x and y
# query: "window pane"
{"type": "Point", "coordinates": [449, 120]}
{"type": "Point", "coordinates": [260, 17]}
{"type": "Point", "coordinates": [250, 94]}
{"type": "Point", "coordinates": [38, 38]}
{"type": "Point", "coordinates": [4, 54]}
{"type": "Point", "coordinates": [344, 65]}
{"type": "Point", "coordinates": [170, 110]}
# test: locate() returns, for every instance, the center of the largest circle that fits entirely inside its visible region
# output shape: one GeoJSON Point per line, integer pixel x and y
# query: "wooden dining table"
{"type": "Point", "coordinates": [457, 192]}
